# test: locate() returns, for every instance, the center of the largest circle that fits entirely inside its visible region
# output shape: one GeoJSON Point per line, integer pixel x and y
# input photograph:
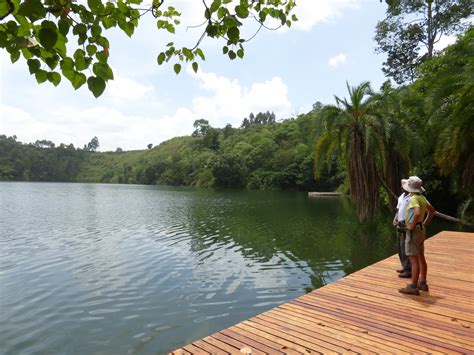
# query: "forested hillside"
{"type": "Point", "coordinates": [262, 154]}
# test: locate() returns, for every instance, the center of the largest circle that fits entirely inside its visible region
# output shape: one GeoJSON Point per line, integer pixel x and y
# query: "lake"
{"type": "Point", "coordinates": [131, 269]}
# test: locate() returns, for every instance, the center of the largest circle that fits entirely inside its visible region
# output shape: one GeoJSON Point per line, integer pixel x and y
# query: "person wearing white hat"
{"type": "Point", "coordinates": [415, 220]}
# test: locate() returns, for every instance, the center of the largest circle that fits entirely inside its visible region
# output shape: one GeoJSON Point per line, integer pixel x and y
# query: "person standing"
{"type": "Point", "coordinates": [419, 213]}
{"type": "Point", "coordinates": [399, 223]}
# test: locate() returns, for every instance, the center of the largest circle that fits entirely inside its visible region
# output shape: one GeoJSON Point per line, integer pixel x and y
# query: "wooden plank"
{"type": "Point", "coordinates": [248, 339]}
{"type": "Point", "coordinates": [353, 330]}
{"type": "Point", "coordinates": [209, 347]}
{"type": "Point", "coordinates": [286, 346]}
{"type": "Point", "coordinates": [235, 343]}
{"type": "Point", "coordinates": [364, 312]}
{"type": "Point", "coordinates": [432, 330]}
{"type": "Point", "coordinates": [221, 345]}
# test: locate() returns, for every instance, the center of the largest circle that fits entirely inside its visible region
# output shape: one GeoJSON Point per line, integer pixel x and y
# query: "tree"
{"type": "Point", "coordinates": [201, 128]}
{"type": "Point", "coordinates": [411, 29]}
{"type": "Point", "coordinates": [262, 118]}
{"type": "Point", "coordinates": [65, 38]}
{"type": "Point", "coordinates": [149, 146]}
{"type": "Point", "coordinates": [93, 145]}
{"type": "Point", "coordinates": [348, 129]}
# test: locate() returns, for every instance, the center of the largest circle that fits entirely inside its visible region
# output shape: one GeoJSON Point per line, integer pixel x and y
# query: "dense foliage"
{"type": "Point", "coordinates": [265, 155]}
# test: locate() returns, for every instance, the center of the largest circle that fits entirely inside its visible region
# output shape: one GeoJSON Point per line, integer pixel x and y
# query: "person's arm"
{"type": "Point", "coordinates": [430, 215]}
{"type": "Point", "coordinates": [395, 218]}
{"type": "Point", "coordinates": [416, 216]}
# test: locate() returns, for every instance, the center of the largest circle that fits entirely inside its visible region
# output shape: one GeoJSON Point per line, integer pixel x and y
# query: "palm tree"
{"type": "Point", "coordinates": [400, 137]}
{"type": "Point", "coordinates": [350, 130]}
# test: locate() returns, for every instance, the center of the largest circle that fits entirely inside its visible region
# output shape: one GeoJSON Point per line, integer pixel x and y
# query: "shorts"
{"type": "Point", "coordinates": [414, 242]}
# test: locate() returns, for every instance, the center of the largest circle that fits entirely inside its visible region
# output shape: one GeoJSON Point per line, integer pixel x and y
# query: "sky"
{"type": "Point", "coordinates": [284, 71]}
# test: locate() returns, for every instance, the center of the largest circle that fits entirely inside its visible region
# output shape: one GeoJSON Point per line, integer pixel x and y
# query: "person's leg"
{"type": "Point", "coordinates": [405, 260]}
{"type": "Point", "coordinates": [413, 253]}
{"type": "Point", "coordinates": [415, 269]}
{"type": "Point", "coordinates": [423, 267]}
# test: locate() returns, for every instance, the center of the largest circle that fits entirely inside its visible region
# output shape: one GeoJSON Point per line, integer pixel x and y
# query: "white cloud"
{"type": "Point", "coordinates": [337, 61]}
{"type": "Point", "coordinates": [123, 89]}
{"type": "Point", "coordinates": [230, 102]}
{"type": "Point", "coordinates": [112, 127]}
{"type": "Point", "coordinates": [311, 12]}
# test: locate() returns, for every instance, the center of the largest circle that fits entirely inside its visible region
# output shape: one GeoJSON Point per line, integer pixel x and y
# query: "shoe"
{"type": "Point", "coordinates": [409, 290]}
{"type": "Point", "coordinates": [404, 275]}
{"type": "Point", "coordinates": [423, 287]}
{"type": "Point", "coordinates": [400, 271]}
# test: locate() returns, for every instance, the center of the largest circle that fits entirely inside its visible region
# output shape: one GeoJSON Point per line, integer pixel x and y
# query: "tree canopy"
{"type": "Point", "coordinates": [67, 38]}
{"type": "Point", "coordinates": [411, 29]}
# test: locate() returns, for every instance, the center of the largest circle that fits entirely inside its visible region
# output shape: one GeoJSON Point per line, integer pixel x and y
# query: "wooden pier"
{"type": "Point", "coordinates": [365, 313]}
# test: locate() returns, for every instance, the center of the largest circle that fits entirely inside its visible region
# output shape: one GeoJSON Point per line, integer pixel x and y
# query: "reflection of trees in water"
{"type": "Point", "coordinates": [323, 235]}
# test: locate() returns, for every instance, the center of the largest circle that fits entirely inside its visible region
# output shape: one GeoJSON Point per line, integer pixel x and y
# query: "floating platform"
{"type": "Point", "coordinates": [323, 194]}
{"type": "Point", "coordinates": [364, 312]}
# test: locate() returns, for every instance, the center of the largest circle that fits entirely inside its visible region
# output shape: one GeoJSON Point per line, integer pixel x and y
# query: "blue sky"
{"type": "Point", "coordinates": [284, 71]}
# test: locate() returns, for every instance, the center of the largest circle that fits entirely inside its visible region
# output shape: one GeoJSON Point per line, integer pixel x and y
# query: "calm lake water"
{"type": "Point", "coordinates": [127, 269]}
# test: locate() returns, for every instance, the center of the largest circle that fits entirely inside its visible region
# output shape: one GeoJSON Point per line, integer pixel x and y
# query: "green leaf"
{"type": "Point", "coordinates": [96, 85]}
{"type": "Point", "coordinates": [15, 55]}
{"type": "Point", "coordinates": [3, 39]}
{"type": "Point", "coordinates": [96, 30]}
{"type": "Point", "coordinates": [282, 18]}
{"type": "Point", "coordinates": [240, 53]}
{"type": "Point", "coordinates": [161, 58]}
{"type": "Point", "coordinates": [78, 80]}
{"type": "Point", "coordinates": [177, 68]}
{"type": "Point", "coordinates": [109, 22]}
{"type": "Point", "coordinates": [52, 61]}
{"type": "Point", "coordinates": [188, 54]}
{"type": "Point", "coordinates": [242, 11]}
{"type": "Point", "coordinates": [215, 5]}
{"type": "Point", "coordinates": [225, 49]}
{"type": "Point", "coordinates": [103, 70]}
{"type": "Point", "coordinates": [5, 9]}
{"type": "Point", "coordinates": [33, 65]}
{"type": "Point", "coordinates": [54, 78]}
{"type": "Point", "coordinates": [48, 38]}
{"type": "Point", "coordinates": [96, 6]}
{"type": "Point", "coordinates": [79, 53]}
{"type": "Point", "coordinates": [234, 34]}
{"type": "Point", "coordinates": [33, 9]}
{"type": "Point", "coordinates": [170, 28]}
{"type": "Point", "coordinates": [222, 12]}
{"type": "Point", "coordinates": [102, 56]}
{"type": "Point", "coordinates": [27, 54]}
{"type": "Point", "coordinates": [82, 63]}
{"type": "Point", "coordinates": [195, 67]}
{"type": "Point", "coordinates": [79, 29]}
{"type": "Point", "coordinates": [41, 76]}
{"type": "Point", "coordinates": [91, 49]}
{"type": "Point", "coordinates": [24, 30]}
{"type": "Point", "coordinates": [232, 55]}
{"type": "Point", "coordinates": [199, 52]}
{"type": "Point", "coordinates": [64, 26]}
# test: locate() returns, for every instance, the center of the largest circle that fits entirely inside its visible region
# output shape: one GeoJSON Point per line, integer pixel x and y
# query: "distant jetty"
{"type": "Point", "coordinates": [323, 194]}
